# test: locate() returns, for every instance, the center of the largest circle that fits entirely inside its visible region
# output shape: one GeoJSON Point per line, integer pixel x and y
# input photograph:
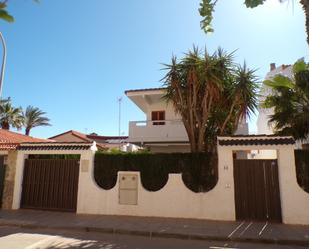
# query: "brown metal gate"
{"type": "Point", "coordinates": [257, 195]}
{"type": "Point", "coordinates": [50, 184]}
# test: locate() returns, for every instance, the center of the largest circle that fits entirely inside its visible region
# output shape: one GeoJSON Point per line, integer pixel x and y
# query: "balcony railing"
{"type": "Point", "coordinates": [157, 131]}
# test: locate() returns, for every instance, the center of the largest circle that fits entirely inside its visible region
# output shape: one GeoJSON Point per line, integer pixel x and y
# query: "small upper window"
{"type": "Point", "coordinates": [158, 115]}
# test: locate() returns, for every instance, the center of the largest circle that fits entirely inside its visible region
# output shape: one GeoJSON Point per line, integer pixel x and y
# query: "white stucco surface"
{"type": "Point", "coordinates": [294, 200]}
{"type": "Point", "coordinates": [174, 200]}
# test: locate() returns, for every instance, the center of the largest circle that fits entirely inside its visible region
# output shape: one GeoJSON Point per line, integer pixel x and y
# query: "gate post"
{"type": "Point", "coordinates": [294, 200]}
{"type": "Point", "coordinates": [226, 178]}
{"type": "Point", "coordinates": [85, 177]}
{"type": "Point", "coordinates": [19, 167]}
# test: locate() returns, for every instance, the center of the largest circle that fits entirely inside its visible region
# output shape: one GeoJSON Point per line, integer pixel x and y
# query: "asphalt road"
{"type": "Point", "coordinates": [17, 238]}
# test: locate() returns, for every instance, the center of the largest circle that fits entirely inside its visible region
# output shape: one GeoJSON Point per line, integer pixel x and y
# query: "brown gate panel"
{"type": "Point", "coordinates": [50, 184]}
{"type": "Point", "coordinates": [257, 195]}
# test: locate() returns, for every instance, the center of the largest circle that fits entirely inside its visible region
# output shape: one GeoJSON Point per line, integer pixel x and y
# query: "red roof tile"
{"type": "Point", "coordinates": [74, 133]}
{"type": "Point", "coordinates": [102, 141]}
{"type": "Point", "coordinates": [9, 140]}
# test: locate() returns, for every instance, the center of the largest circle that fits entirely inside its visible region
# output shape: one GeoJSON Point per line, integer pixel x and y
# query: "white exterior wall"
{"type": "Point", "coordinates": [294, 200]}
{"type": "Point", "coordinates": [174, 200]}
{"type": "Point", "coordinates": [163, 106]}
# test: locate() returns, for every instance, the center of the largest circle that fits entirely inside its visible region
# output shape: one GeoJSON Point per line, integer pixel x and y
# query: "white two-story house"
{"type": "Point", "coordinates": [162, 130]}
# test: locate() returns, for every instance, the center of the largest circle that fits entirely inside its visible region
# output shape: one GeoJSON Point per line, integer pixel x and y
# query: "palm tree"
{"type": "Point", "coordinates": [9, 115]}
{"type": "Point", "coordinates": [34, 117]}
{"type": "Point", "coordinates": [290, 100]}
{"type": "Point", "coordinates": [211, 94]}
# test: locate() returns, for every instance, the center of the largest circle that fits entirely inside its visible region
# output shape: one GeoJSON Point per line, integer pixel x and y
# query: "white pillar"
{"type": "Point", "coordinates": [294, 200]}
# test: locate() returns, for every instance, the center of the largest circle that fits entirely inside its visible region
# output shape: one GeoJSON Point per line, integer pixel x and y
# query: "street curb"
{"type": "Point", "coordinates": [167, 235]}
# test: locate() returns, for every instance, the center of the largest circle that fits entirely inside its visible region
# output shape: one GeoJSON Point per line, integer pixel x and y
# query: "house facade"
{"type": "Point", "coordinates": [162, 130]}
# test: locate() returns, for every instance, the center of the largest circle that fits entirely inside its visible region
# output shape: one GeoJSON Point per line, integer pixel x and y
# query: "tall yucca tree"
{"type": "Point", "coordinates": [34, 117]}
{"type": "Point", "coordinates": [290, 101]}
{"type": "Point", "coordinates": [211, 93]}
{"type": "Point", "coordinates": [10, 116]}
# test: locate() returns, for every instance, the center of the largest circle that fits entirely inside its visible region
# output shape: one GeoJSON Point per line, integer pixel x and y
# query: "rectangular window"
{"type": "Point", "coordinates": [158, 115]}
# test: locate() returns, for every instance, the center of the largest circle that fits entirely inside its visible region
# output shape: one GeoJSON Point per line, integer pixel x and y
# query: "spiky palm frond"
{"type": "Point", "coordinates": [211, 93]}
{"type": "Point", "coordinates": [10, 116]}
{"type": "Point", "coordinates": [290, 100]}
{"type": "Point", "coordinates": [34, 117]}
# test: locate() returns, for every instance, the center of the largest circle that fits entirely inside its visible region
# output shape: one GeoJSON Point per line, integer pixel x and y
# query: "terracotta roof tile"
{"type": "Point", "coordinates": [54, 146]}
{"type": "Point", "coordinates": [74, 133]}
{"type": "Point", "coordinates": [102, 141]}
{"type": "Point", "coordinates": [256, 140]}
{"type": "Point", "coordinates": [9, 140]}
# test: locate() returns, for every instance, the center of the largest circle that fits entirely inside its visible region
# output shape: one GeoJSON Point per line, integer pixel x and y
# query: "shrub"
{"type": "Point", "coordinates": [302, 168]}
{"type": "Point", "coordinates": [197, 173]}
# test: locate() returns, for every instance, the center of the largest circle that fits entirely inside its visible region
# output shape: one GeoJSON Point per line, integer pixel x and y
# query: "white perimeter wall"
{"type": "Point", "coordinates": [294, 200]}
{"type": "Point", "coordinates": [174, 200]}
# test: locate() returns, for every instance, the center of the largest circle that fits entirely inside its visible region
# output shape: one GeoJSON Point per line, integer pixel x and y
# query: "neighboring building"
{"type": "Point", "coordinates": [9, 140]}
{"type": "Point", "coordinates": [163, 130]}
{"type": "Point", "coordinates": [263, 126]}
{"type": "Point", "coordinates": [103, 142]}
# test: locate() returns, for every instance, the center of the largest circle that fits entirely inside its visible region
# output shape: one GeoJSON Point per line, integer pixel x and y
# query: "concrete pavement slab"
{"type": "Point", "coordinates": [161, 227]}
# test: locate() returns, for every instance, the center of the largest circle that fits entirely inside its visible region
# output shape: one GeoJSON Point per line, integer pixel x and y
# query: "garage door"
{"type": "Point", "coordinates": [50, 184]}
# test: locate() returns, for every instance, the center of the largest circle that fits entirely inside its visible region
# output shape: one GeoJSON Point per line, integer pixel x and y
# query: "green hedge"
{"type": "Point", "coordinates": [197, 171]}
{"type": "Point", "coordinates": [302, 168]}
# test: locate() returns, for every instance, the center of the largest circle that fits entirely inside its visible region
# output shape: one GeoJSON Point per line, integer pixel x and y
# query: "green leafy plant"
{"type": "Point", "coordinates": [211, 93]}
{"type": "Point", "coordinates": [10, 116]}
{"type": "Point", "coordinates": [207, 8]}
{"type": "Point", "coordinates": [34, 117]}
{"type": "Point", "coordinates": [302, 168]}
{"type": "Point", "coordinates": [197, 172]}
{"type": "Point", "coordinates": [289, 99]}
{"type": "Point", "coordinates": [4, 14]}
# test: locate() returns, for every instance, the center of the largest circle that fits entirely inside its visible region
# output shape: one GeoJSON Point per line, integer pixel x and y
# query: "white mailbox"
{"type": "Point", "coordinates": [128, 184]}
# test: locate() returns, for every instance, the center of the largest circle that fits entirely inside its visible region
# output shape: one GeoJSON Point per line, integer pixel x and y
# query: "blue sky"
{"type": "Point", "coordinates": [74, 58]}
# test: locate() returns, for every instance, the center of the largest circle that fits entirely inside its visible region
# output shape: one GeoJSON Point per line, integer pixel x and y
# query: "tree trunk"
{"type": "Point", "coordinates": [305, 4]}
{"type": "Point", "coordinates": [27, 131]}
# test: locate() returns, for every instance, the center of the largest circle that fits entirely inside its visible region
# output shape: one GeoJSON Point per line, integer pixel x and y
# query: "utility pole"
{"type": "Point", "coordinates": [119, 122]}
{"type": "Point", "coordinates": [3, 63]}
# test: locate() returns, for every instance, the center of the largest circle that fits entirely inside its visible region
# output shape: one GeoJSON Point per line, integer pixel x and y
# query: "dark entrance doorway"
{"type": "Point", "coordinates": [257, 195]}
{"type": "Point", "coordinates": [50, 184]}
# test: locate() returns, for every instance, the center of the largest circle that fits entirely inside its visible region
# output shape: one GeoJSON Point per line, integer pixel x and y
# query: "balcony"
{"type": "Point", "coordinates": [157, 131]}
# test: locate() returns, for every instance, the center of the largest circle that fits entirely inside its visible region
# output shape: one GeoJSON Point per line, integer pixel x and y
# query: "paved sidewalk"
{"type": "Point", "coordinates": [160, 227]}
